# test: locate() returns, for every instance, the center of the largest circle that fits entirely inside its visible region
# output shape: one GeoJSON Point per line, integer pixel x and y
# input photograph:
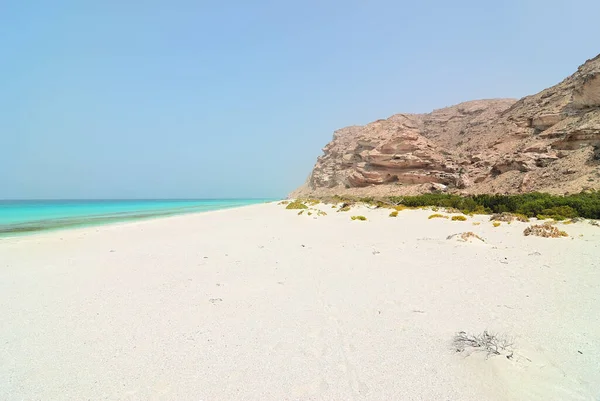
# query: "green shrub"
{"type": "Point", "coordinates": [311, 202]}
{"type": "Point", "coordinates": [560, 212]}
{"type": "Point", "coordinates": [361, 218]}
{"type": "Point", "coordinates": [584, 204]}
{"type": "Point", "coordinates": [296, 205]}
{"type": "Point", "coordinates": [459, 218]}
{"type": "Point", "coordinates": [394, 213]}
{"type": "Point", "coordinates": [437, 216]}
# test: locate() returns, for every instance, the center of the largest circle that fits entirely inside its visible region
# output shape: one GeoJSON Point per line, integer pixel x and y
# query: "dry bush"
{"type": "Point", "coordinates": [283, 202]}
{"type": "Point", "coordinates": [496, 224]}
{"type": "Point", "coordinates": [345, 207]}
{"type": "Point", "coordinates": [437, 216]}
{"type": "Point", "coordinates": [490, 343]}
{"type": "Point", "coordinates": [465, 237]}
{"type": "Point", "coordinates": [459, 218]}
{"type": "Point", "coordinates": [476, 223]}
{"type": "Point", "coordinates": [394, 213]}
{"type": "Point", "coordinates": [544, 230]}
{"type": "Point", "coordinates": [361, 218]}
{"type": "Point", "coordinates": [509, 217]}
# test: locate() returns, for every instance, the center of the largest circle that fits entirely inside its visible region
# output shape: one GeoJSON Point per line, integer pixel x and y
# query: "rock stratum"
{"type": "Point", "coordinates": [547, 142]}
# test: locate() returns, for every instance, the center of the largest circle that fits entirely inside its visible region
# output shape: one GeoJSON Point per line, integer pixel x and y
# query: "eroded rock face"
{"type": "Point", "coordinates": [483, 146]}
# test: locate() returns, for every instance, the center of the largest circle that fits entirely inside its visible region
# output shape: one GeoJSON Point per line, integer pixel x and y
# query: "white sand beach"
{"type": "Point", "coordinates": [258, 303]}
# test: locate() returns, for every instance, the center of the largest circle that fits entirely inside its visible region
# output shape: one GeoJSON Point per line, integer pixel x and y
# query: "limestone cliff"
{"type": "Point", "coordinates": [546, 142]}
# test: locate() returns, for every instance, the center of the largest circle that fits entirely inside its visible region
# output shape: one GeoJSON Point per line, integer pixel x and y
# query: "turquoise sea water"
{"type": "Point", "coordinates": [27, 216]}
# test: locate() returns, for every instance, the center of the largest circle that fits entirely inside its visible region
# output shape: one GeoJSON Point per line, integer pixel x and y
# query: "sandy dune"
{"type": "Point", "coordinates": [259, 303]}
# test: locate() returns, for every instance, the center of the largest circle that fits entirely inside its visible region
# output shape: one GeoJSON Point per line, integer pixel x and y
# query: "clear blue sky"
{"type": "Point", "coordinates": [160, 99]}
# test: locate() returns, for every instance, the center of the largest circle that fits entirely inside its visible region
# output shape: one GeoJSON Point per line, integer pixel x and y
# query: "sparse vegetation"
{"type": "Point", "coordinates": [394, 213]}
{"type": "Point", "coordinates": [361, 218]}
{"type": "Point", "coordinates": [283, 202]}
{"type": "Point", "coordinates": [489, 343]}
{"type": "Point", "coordinates": [437, 216]}
{"type": "Point", "coordinates": [311, 202]}
{"type": "Point", "coordinates": [476, 223]}
{"type": "Point", "coordinates": [496, 224]}
{"type": "Point", "coordinates": [459, 218]}
{"type": "Point", "coordinates": [544, 230]}
{"type": "Point", "coordinates": [296, 205]}
{"type": "Point", "coordinates": [300, 212]}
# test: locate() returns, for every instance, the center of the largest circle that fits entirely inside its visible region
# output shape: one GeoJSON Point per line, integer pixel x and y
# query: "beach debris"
{"type": "Point", "coordinates": [490, 343]}
{"type": "Point", "coordinates": [468, 236]}
{"type": "Point", "coordinates": [215, 300]}
{"type": "Point", "coordinates": [375, 252]}
{"type": "Point", "coordinates": [544, 230]}
{"type": "Point", "coordinates": [535, 254]}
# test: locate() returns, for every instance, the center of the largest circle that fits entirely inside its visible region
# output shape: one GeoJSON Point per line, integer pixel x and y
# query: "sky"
{"type": "Point", "coordinates": [197, 99]}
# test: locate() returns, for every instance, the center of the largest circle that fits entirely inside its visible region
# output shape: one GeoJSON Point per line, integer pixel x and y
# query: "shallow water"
{"type": "Point", "coordinates": [27, 216]}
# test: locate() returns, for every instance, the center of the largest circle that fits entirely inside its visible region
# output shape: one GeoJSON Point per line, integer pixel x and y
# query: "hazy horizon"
{"type": "Point", "coordinates": [190, 100]}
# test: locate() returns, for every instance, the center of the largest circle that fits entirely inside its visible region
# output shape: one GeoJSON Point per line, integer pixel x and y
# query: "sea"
{"type": "Point", "coordinates": [18, 217]}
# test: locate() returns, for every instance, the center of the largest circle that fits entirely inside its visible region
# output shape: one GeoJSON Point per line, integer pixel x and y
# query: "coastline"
{"type": "Point", "coordinates": [54, 224]}
{"type": "Point", "coordinates": [257, 302]}
{"type": "Point", "coordinates": [84, 229]}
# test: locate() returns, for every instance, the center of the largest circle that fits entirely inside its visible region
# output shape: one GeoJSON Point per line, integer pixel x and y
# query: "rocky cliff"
{"type": "Point", "coordinates": [547, 142]}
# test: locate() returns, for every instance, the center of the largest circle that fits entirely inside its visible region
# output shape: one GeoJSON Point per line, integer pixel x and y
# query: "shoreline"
{"type": "Point", "coordinates": [117, 220]}
{"type": "Point", "coordinates": [260, 303]}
